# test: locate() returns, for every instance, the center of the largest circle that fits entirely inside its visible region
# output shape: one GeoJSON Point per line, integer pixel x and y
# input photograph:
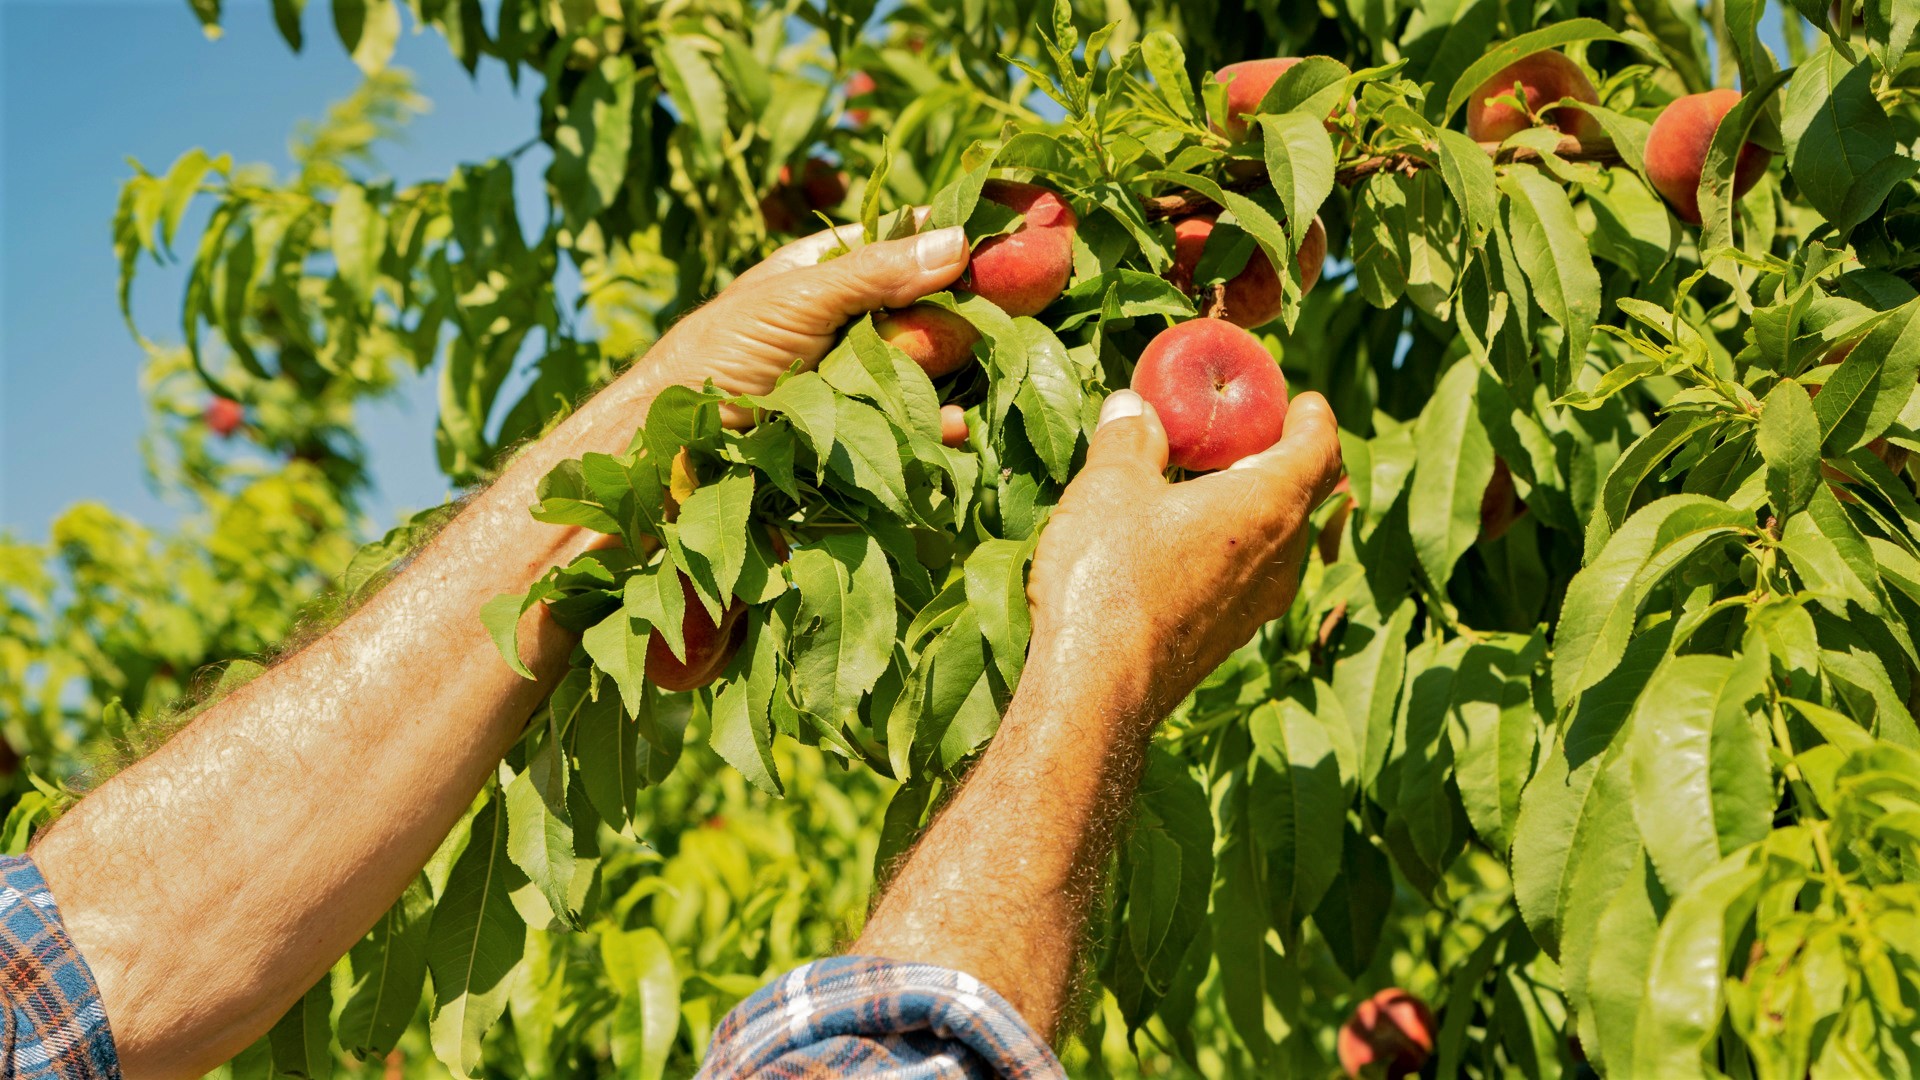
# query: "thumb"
{"type": "Point", "coordinates": [1128, 436]}
{"type": "Point", "coordinates": [892, 273]}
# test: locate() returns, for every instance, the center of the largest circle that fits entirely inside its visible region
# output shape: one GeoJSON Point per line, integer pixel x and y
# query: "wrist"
{"type": "Point", "coordinates": [1100, 689]}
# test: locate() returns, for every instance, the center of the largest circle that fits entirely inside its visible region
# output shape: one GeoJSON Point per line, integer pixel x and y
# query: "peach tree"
{"type": "Point", "coordinates": [1590, 741]}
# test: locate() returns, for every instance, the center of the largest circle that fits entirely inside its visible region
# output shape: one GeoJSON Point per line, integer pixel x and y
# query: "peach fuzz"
{"type": "Point", "coordinates": [1219, 393]}
{"type": "Point", "coordinates": [938, 340]}
{"type": "Point", "coordinates": [1027, 269]}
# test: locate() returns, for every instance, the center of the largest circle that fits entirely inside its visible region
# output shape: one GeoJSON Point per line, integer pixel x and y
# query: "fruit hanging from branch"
{"type": "Point", "coordinates": [1677, 149]}
{"type": "Point", "coordinates": [1255, 296]}
{"type": "Point", "coordinates": [1025, 270]}
{"type": "Point", "coordinates": [709, 646]}
{"type": "Point", "coordinates": [1543, 78]}
{"type": "Point", "coordinates": [938, 340]}
{"type": "Point", "coordinates": [1389, 1036]}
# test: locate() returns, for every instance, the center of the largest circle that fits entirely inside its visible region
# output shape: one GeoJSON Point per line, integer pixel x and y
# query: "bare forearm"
{"type": "Point", "coordinates": [1001, 884]}
{"type": "Point", "coordinates": [211, 884]}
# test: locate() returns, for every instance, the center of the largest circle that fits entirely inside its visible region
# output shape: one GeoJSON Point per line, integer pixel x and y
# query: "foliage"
{"type": "Point", "coordinates": [1668, 709]}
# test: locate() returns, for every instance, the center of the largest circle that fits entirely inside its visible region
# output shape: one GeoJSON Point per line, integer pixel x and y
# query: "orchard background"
{"type": "Point", "coordinates": [1593, 725]}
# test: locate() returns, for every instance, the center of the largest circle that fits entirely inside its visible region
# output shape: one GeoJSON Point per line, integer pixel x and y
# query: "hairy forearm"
{"type": "Point", "coordinates": [1001, 885]}
{"type": "Point", "coordinates": [211, 884]}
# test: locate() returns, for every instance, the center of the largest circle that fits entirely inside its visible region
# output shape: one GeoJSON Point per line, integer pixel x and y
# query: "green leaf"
{"type": "Point", "coordinates": [359, 235]}
{"type": "Point", "coordinates": [1366, 677]}
{"type": "Point", "coordinates": [286, 16]}
{"type": "Point", "coordinates": [1864, 395]}
{"type": "Point", "coordinates": [997, 594]}
{"type": "Point", "coordinates": [387, 970]}
{"type": "Point", "coordinates": [1597, 619]}
{"type": "Point", "coordinates": [1468, 173]}
{"type": "Point", "coordinates": [618, 646]}
{"type": "Point", "coordinates": [605, 746]}
{"type": "Point", "coordinates": [1300, 164]}
{"type": "Point", "coordinates": [301, 1042]}
{"type": "Point", "coordinates": [592, 144]}
{"type": "Point", "coordinates": [1549, 37]}
{"type": "Point", "coordinates": [843, 629]}
{"type": "Point", "coordinates": [1723, 157]}
{"type": "Point", "coordinates": [1454, 462]}
{"type": "Point", "coordinates": [181, 184]}
{"type": "Point", "coordinates": [540, 830]}
{"type": "Point", "coordinates": [866, 453]}
{"type": "Point", "coordinates": [742, 725]}
{"type": "Point", "coordinates": [1494, 734]}
{"type": "Point", "coordinates": [1616, 978]}
{"type": "Point", "coordinates": [1296, 806]}
{"type": "Point", "coordinates": [378, 34]}
{"type": "Point", "coordinates": [1050, 399]}
{"type": "Point", "coordinates": [1167, 62]}
{"type": "Point", "coordinates": [1831, 556]}
{"type": "Point", "coordinates": [1842, 148]}
{"type": "Point", "coordinates": [639, 965]}
{"type": "Point", "coordinates": [1789, 442]}
{"type": "Point", "coordinates": [1575, 824]}
{"type": "Point", "coordinates": [1553, 251]}
{"type": "Point", "coordinates": [1684, 999]}
{"type": "Point", "coordinates": [713, 524]}
{"type": "Point", "coordinates": [474, 943]}
{"type": "Point", "coordinates": [808, 401]}
{"type": "Point", "coordinates": [1702, 787]}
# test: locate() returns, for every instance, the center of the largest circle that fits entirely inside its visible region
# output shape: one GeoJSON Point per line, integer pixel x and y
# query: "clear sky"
{"type": "Point", "coordinates": [85, 84]}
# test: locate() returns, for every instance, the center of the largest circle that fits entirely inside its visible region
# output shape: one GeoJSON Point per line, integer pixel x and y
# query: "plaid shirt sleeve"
{"type": "Point", "coordinates": [864, 1017]}
{"type": "Point", "coordinates": [53, 1026]}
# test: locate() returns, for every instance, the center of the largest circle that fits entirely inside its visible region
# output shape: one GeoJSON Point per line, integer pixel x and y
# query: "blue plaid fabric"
{"type": "Point", "coordinates": [53, 1027]}
{"type": "Point", "coordinates": [861, 1016]}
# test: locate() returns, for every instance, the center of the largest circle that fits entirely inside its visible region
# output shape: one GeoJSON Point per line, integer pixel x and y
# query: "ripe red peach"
{"type": "Point", "coordinates": [1677, 151]}
{"type": "Point", "coordinates": [709, 646]}
{"type": "Point", "coordinates": [787, 205]}
{"type": "Point", "coordinates": [223, 416]}
{"type": "Point", "coordinates": [953, 426]}
{"type": "Point", "coordinates": [859, 85]}
{"type": "Point", "coordinates": [1390, 1035]}
{"type": "Point", "coordinates": [1544, 77]}
{"type": "Point", "coordinates": [1027, 269]}
{"type": "Point", "coordinates": [1254, 296]}
{"type": "Point", "coordinates": [1219, 393]}
{"type": "Point", "coordinates": [1247, 82]}
{"type": "Point", "coordinates": [940, 341]}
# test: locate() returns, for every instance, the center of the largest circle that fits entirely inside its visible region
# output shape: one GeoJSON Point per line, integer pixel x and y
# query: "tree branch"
{"type": "Point", "coordinates": [1184, 203]}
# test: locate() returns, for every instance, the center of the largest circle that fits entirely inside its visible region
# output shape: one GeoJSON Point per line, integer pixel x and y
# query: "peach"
{"type": "Point", "coordinates": [1390, 1035]}
{"type": "Point", "coordinates": [1247, 82]}
{"type": "Point", "coordinates": [709, 646]}
{"type": "Point", "coordinates": [1219, 393]}
{"type": "Point", "coordinates": [953, 426]}
{"type": "Point", "coordinates": [1677, 151]}
{"type": "Point", "coordinates": [1500, 506]}
{"type": "Point", "coordinates": [787, 205]}
{"type": "Point", "coordinates": [1543, 77]}
{"type": "Point", "coordinates": [223, 416]}
{"type": "Point", "coordinates": [1027, 269]}
{"type": "Point", "coordinates": [1253, 296]}
{"type": "Point", "coordinates": [859, 85]}
{"type": "Point", "coordinates": [940, 341]}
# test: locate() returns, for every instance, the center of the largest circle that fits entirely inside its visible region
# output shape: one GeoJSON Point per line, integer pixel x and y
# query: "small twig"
{"type": "Point", "coordinates": [1183, 203]}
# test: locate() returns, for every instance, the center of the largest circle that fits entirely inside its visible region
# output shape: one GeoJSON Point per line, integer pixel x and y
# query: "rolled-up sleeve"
{"type": "Point", "coordinates": [54, 1027]}
{"type": "Point", "coordinates": [861, 1016]}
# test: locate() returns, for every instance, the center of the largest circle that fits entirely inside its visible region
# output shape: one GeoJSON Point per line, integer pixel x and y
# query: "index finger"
{"type": "Point", "coordinates": [809, 250]}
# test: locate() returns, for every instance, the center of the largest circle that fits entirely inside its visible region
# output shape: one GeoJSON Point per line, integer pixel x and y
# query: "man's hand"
{"type": "Point", "coordinates": [1139, 588]}
{"type": "Point", "coordinates": [211, 884]}
{"type": "Point", "coordinates": [1150, 585]}
{"type": "Point", "coordinates": [792, 306]}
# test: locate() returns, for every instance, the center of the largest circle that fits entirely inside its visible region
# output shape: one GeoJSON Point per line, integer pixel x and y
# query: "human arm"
{"type": "Point", "coordinates": [211, 884]}
{"type": "Point", "coordinates": [1139, 588]}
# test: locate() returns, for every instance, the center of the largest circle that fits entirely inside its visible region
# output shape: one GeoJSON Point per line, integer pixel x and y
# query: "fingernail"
{"type": "Point", "coordinates": [939, 248]}
{"type": "Point", "coordinates": [1119, 405]}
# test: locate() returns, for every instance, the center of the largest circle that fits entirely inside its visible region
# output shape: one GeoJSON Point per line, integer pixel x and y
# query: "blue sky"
{"type": "Point", "coordinates": [85, 84]}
